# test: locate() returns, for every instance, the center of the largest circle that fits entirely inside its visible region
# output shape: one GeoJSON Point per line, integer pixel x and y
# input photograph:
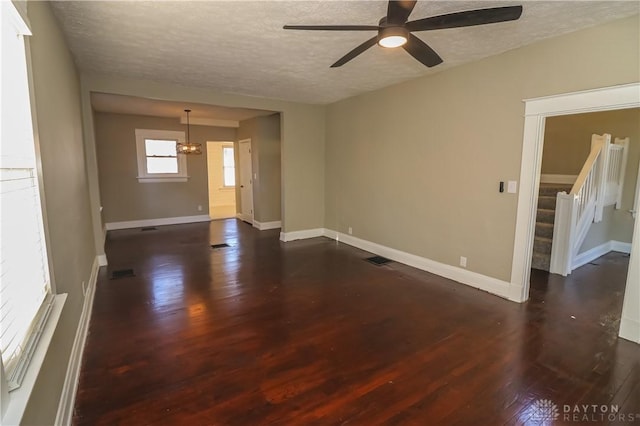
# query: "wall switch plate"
{"type": "Point", "coordinates": [463, 261]}
{"type": "Point", "coordinates": [512, 186]}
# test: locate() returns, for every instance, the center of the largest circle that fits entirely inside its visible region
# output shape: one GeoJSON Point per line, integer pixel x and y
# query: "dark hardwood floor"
{"type": "Point", "coordinates": [308, 333]}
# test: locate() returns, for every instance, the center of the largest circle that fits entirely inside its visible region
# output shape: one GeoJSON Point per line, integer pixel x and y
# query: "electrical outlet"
{"type": "Point", "coordinates": [350, 230]}
{"type": "Point", "coordinates": [512, 186]}
{"type": "Point", "coordinates": [463, 261]}
{"type": "Point", "coordinates": [199, 208]}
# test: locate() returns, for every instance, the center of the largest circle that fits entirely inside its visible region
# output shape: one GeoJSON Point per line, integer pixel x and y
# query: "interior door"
{"type": "Point", "coordinates": [246, 181]}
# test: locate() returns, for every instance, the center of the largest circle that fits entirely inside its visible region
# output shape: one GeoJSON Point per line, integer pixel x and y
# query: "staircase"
{"type": "Point", "coordinates": [544, 224]}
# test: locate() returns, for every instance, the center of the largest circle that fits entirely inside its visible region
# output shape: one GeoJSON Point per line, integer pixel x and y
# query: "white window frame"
{"type": "Point", "coordinates": [143, 176]}
{"type": "Point", "coordinates": [13, 403]}
{"type": "Point", "coordinates": [229, 145]}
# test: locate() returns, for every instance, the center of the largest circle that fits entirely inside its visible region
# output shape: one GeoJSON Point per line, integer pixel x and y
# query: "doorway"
{"type": "Point", "coordinates": [246, 181]}
{"type": "Point", "coordinates": [536, 112]}
{"type": "Point", "coordinates": [221, 179]}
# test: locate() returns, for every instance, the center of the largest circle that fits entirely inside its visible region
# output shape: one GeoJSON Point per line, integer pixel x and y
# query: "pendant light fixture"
{"type": "Point", "coordinates": [188, 147]}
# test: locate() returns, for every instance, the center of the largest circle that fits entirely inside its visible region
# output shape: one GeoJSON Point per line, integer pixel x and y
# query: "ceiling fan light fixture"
{"type": "Point", "coordinates": [391, 37]}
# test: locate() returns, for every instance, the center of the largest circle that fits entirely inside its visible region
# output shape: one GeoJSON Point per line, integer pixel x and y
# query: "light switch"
{"type": "Point", "coordinates": [512, 186]}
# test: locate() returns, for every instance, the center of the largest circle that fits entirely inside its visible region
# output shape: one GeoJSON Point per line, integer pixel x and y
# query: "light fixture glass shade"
{"type": "Point", "coordinates": [392, 41]}
{"type": "Point", "coordinates": [188, 147]}
{"type": "Point", "coordinates": [391, 37]}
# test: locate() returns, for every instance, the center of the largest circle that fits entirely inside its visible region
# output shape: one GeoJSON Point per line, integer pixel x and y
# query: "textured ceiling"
{"type": "Point", "coordinates": [104, 102]}
{"type": "Point", "coordinates": [240, 47]}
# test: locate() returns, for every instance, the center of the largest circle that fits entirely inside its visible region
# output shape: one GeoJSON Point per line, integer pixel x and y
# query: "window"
{"type": "Point", "coordinates": [158, 160]}
{"type": "Point", "coordinates": [25, 289]}
{"type": "Point", "coordinates": [228, 167]}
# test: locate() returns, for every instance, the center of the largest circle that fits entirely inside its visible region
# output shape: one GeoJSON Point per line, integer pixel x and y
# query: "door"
{"type": "Point", "coordinates": [246, 183]}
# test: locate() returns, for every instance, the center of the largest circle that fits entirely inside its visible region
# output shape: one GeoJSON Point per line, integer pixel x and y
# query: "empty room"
{"type": "Point", "coordinates": [320, 212]}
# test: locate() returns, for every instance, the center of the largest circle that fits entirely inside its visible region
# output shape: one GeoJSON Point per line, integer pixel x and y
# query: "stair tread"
{"type": "Point", "coordinates": [545, 224]}
{"type": "Point", "coordinates": [550, 240]}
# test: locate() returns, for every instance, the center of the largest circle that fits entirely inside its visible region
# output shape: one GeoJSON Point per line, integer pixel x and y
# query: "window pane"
{"type": "Point", "coordinates": [160, 147]}
{"type": "Point", "coordinates": [229, 176]}
{"type": "Point", "coordinates": [162, 165]}
{"type": "Point", "coordinates": [227, 155]}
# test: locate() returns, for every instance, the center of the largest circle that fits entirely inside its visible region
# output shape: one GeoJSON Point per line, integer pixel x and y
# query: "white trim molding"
{"type": "Point", "coordinates": [263, 226]}
{"type": "Point", "coordinates": [68, 397]}
{"type": "Point", "coordinates": [245, 217]}
{"type": "Point", "coordinates": [563, 179]}
{"type": "Point", "coordinates": [112, 226]}
{"type": "Point", "coordinates": [536, 112]}
{"type": "Point", "coordinates": [102, 260]}
{"type": "Point", "coordinates": [17, 400]}
{"type": "Point", "coordinates": [464, 276]}
{"type": "Point", "coordinates": [301, 235]}
{"type": "Point", "coordinates": [595, 252]}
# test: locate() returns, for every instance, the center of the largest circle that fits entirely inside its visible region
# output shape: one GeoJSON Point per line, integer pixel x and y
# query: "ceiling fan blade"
{"type": "Point", "coordinates": [422, 52]}
{"type": "Point", "coordinates": [332, 27]}
{"type": "Point", "coordinates": [398, 11]}
{"type": "Point", "coordinates": [466, 19]}
{"type": "Point", "coordinates": [355, 52]}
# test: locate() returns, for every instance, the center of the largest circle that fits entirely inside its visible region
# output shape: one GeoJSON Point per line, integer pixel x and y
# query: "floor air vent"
{"type": "Point", "coordinates": [122, 273]}
{"type": "Point", "coordinates": [378, 260]}
{"type": "Point", "coordinates": [149, 228]}
{"type": "Point", "coordinates": [217, 246]}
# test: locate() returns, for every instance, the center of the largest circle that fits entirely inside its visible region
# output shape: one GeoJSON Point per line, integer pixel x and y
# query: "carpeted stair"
{"type": "Point", "coordinates": [544, 224]}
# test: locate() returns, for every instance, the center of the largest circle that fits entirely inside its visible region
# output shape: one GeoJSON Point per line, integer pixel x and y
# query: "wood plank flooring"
{"type": "Point", "coordinates": [308, 333]}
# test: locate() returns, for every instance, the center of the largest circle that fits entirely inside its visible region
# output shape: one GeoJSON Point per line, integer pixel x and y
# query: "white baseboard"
{"type": "Point", "coordinates": [564, 179]}
{"type": "Point", "coordinates": [301, 235]}
{"type": "Point", "coordinates": [630, 329]}
{"type": "Point", "coordinates": [244, 217]}
{"type": "Point", "coordinates": [492, 285]}
{"type": "Point", "coordinates": [464, 276]}
{"type": "Point", "coordinates": [594, 253]}
{"type": "Point", "coordinates": [621, 247]}
{"type": "Point", "coordinates": [263, 226]}
{"type": "Point", "coordinates": [102, 260]}
{"type": "Point", "coordinates": [68, 397]}
{"type": "Point", "coordinates": [157, 222]}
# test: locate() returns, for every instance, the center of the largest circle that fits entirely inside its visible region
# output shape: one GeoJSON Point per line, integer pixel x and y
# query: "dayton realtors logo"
{"type": "Point", "coordinates": [546, 410]}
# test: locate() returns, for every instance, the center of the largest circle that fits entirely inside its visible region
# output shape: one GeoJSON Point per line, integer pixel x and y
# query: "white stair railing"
{"type": "Point", "coordinates": [618, 166]}
{"type": "Point", "coordinates": [577, 210]}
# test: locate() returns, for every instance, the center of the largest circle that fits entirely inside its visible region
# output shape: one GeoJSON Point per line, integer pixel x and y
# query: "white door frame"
{"type": "Point", "coordinates": [536, 111]}
{"type": "Point", "coordinates": [242, 215]}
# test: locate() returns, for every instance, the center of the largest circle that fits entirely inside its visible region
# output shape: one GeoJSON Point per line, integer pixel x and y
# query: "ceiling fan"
{"type": "Point", "coordinates": [394, 30]}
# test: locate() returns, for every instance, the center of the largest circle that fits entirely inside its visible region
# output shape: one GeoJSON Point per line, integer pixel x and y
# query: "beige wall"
{"type": "Point", "coordinates": [57, 95]}
{"type": "Point", "coordinates": [567, 138]}
{"type": "Point", "coordinates": [126, 199]}
{"type": "Point", "coordinates": [416, 166]}
{"type": "Point", "coordinates": [222, 201]}
{"type": "Point", "coordinates": [566, 146]}
{"type": "Point", "coordinates": [264, 133]}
